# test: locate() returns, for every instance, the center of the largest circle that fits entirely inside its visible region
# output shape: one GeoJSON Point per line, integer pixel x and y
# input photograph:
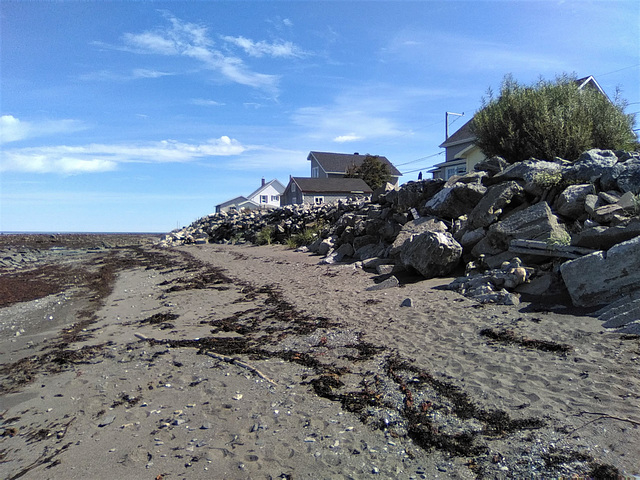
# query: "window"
{"type": "Point", "coordinates": [318, 200]}
{"type": "Point", "coordinates": [314, 172]}
{"type": "Point", "coordinates": [293, 187]}
{"type": "Point", "coordinates": [455, 170]}
{"type": "Point", "coordinates": [275, 198]}
{"type": "Point", "coordinates": [264, 198]}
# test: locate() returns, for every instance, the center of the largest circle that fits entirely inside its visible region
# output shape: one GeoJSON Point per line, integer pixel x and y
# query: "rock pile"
{"type": "Point", "coordinates": [575, 224]}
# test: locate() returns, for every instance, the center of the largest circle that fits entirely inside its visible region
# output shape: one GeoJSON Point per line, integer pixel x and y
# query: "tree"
{"type": "Point", "coordinates": [372, 170]}
{"type": "Point", "coordinates": [551, 119]}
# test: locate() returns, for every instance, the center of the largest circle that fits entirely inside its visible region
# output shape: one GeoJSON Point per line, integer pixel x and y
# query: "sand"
{"type": "Point", "coordinates": [237, 362]}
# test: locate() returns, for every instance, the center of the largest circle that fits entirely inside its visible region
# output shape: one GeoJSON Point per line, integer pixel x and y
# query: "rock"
{"type": "Point", "coordinates": [413, 228]}
{"type": "Point", "coordinates": [603, 277]}
{"type": "Point", "coordinates": [407, 302]}
{"type": "Point", "coordinates": [534, 223]}
{"type": "Point", "coordinates": [455, 200]}
{"type": "Point", "coordinates": [591, 165]}
{"type": "Point", "coordinates": [629, 179]}
{"type": "Point", "coordinates": [491, 206]}
{"type": "Point", "coordinates": [470, 238]}
{"type": "Point", "coordinates": [571, 202]}
{"type": "Point", "coordinates": [431, 253]}
{"type": "Point", "coordinates": [326, 246]}
{"type": "Point", "coordinates": [389, 269]}
{"type": "Point", "coordinates": [382, 191]}
{"type": "Point", "coordinates": [537, 175]}
{"type": "Point", "coordinates": [603, 238]}
{"type": "Point", "coordinates": [390, 282]}
{"type": "Point", "coordinates": [492, 165]}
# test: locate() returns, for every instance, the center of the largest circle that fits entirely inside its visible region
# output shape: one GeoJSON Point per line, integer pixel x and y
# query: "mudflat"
{"type": "Point", "coordinates": [120, 359]}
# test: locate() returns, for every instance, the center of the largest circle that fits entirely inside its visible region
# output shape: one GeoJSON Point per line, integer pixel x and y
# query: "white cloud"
{"type": "Point", "coordinates": [262, 48]}
{"type": "Point", "coordinates": [13, 129]}
{"type": "Point", "coordinates": [352, 137]}
{"type": "Point", "coordinates": [185, 39]}
{"type": "Point", "coordinates": [146, 73]}
{"type": "Point", "coordinates": [105, 157]}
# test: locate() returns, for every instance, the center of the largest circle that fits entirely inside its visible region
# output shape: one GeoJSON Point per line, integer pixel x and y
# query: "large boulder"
{"type": "Point", "coordinates": [571, 202]}
{"type": "Point", "coordinates": [455, 200]}
{"type": "Point", "coordinates": [603, 238]}
{"type": "Point", "coordinates": [492, 165]}
{"type": "Point", "coordinates": [536, 222]}
{"type": "Point", "coordinates": [414, 228]}
{"type": "Point", "coordinates": [629, 179]}
{"type": "Point", "coordinates": [432, 254]}
{"type": "Point", "coordinates": [492, 204]}
{"type": "Point", "coordinates": [590, 166]}
{"type": "Point", "coordinates": [603, 277]}
{"type": "Point", "coordinates": [536, 175]}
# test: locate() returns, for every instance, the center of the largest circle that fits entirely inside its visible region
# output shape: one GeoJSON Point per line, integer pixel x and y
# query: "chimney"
{"type": "Point", "coordinates": [263, 181]}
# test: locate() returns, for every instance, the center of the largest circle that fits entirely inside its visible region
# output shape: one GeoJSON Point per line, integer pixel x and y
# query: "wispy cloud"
{"type": "Point", "coordinates": [463, 53]}
{"type": "Point", "coordinates": [363, 113]}
{"type": "Point", "coordinates": [96, 157]}
{"type": "Point", "coordinates": [13, 129]}
{"type": "Point", "coordinates": [184, 39]}
{"type": "Point", "coordinates": [135, 74]}
{"type": "Point", "coordinates": [262, 48]}
{"type": "Point", "coordinates": [203, 102]}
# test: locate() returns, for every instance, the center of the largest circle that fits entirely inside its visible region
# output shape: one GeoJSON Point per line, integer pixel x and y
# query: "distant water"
{"type": "Point", "coordinates": [79, 233]}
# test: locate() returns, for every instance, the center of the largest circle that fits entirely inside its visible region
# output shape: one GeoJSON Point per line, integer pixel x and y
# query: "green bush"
{"type": "Point", "coordinates": [265, 236]}
{"type": "Point", "coordinates": [550, 119]}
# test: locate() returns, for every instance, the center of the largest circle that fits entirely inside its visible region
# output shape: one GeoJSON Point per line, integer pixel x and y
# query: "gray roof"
{"type": "Point", "coordinates": [275, 183]}
{"type": "Point", "coordinates": [462, 135]}
{"type": "Point", "coordinates": [340, 162]}
{"type": "Point", "coordinates": [332, 185]}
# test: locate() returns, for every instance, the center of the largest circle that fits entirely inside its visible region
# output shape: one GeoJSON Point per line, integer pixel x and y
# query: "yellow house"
{"type": "Point", "coordinates": [461, 152]}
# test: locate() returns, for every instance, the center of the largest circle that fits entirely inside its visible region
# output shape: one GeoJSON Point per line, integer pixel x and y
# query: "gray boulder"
{"type": "Point", "coordinates": [537, 175]}
{"type": "Point", "coordinates": [413, 228]}
{"type": "Point", "coordinates": [571, 202]}
{"type": "Point", "coordinates": [603, 238]}
{"type": "Point", "coordinates": [536, 222]}
{"type": "Point", "coordinates": [492, 204]}
{"type": "Point", "coordinates": [432, 253]}
{"type": "Point", "coordinates": [629, 179]}
{"type": "Point", "coordinates": [455, 200]}
{"type": "Point", "coordinates": [591, 165]}
{"type": "Point", "coordinates": [603, 277]}
{"type": "Point", "coordinates": [491, 165]}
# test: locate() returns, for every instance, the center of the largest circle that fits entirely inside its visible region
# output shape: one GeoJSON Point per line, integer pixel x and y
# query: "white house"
{"type": "Point", "coordinates": [267, 196]}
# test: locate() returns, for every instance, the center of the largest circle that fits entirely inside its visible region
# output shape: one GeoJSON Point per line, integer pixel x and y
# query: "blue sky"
{"type": "Point", "coordinates": [142, 116]}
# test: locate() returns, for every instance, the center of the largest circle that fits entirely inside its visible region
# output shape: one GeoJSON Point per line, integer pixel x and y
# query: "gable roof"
{"type": "Point", "coordinates": [331, 185]}
{"type": "Point", "coordinates": [238, 202]}
{"type": "Point", "coordinates": [275, 183]}
{"type": "Point", "coordinates": [464, 134]}
{"type": "Point", "coordinates": [338, 163]}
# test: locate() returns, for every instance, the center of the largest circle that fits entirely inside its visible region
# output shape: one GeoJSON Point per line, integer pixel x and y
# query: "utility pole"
{"type": "Point", "coordinates": [446, 122]}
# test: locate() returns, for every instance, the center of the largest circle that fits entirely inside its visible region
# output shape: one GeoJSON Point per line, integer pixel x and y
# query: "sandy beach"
{"type": "Point", "coordinates": [246, 362]}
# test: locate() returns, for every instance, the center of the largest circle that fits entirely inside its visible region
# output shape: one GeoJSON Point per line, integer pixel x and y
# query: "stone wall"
{"type": "Point", "coordinates": [534, 215]}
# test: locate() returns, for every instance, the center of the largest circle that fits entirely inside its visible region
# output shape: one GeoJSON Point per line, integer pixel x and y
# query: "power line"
{"type": "Point", "coordinates": [419, 159]}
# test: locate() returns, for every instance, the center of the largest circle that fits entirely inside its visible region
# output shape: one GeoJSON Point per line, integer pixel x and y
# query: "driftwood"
{"type": "Point", "coordinates": [240, 363]}
{"type": "Point", "coordinates": [536, 247]}
{"type": "Point", "coordinates": [224, 358]}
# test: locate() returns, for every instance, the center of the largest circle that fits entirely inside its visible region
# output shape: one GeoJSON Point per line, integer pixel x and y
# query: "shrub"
{"type": "Point", "coordinates": [550, 119]}
{"type": "Point", "coordinates": [265, 236]}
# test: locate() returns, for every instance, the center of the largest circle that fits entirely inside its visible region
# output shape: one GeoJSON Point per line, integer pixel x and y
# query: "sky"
{"type": "Point", "coordinates": [141, 116]}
